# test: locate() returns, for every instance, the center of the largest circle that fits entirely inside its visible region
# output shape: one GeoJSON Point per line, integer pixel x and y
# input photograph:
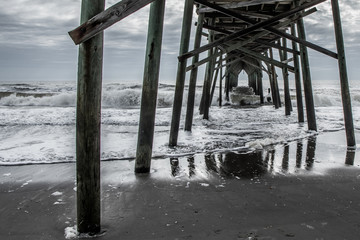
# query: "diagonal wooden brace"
{"type": "Point", "coordinates": [243, 43]}
{"type": "Point", "coordinates": [105, 19]}
{"type": "Point", "coordinates": [269, 28]}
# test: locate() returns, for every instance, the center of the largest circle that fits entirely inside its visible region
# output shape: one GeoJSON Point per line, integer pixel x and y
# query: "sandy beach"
{"type": "Point", "coordinates": [205, 196]}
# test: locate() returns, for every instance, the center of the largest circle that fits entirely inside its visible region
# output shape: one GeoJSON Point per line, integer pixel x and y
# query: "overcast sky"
{"type": "Point", "coordinates": [35, 46]}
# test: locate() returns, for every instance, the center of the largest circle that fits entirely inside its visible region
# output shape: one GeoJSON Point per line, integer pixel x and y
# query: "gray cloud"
{"type": "Point", "coordinates": [34, 43]}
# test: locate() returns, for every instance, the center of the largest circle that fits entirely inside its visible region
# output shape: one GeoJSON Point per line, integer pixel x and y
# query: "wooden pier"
{"type": "Point", "coordinates": [242, 35]}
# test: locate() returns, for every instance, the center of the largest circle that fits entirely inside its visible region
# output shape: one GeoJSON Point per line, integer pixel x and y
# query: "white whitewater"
{"type": "Point", "coordinates": [37, 122]}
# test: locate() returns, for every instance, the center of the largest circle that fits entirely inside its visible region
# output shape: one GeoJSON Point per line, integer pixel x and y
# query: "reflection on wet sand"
{"type": "Point", "coordinates": [285, 161]}
{"type": "Point", "coordinates": [310, 152]}
{"type": "Point", "coordinates": [244, 165]}
{"type": "Point", "coordinates": [191, 161]}
{"type": "Point", "coordinates": [287, 158]}
{"type": "Point", "coordinates": [270, 158]}
{"type": "Point", "coordinates": [210, 162]}
{"type": "Point", "coordinates": [174, 162]}
{"type": "Point", "coordinates": [299, 149]}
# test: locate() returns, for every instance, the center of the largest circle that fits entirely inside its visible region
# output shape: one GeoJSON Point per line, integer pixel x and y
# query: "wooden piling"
{"type": "Point", "coordinates": [272, 88]}
{"type": "Point", "coordinates": [252, 82]}
{"type": "Point", "coordinates": [201, 105]}
{"type": "Point", "coordinates": [220, 82]}
{"type": "Point", "coordinates": [214, 85]}
{"type": "Point", "coordinates": [305, 66]}
{"type": "Point", "coordinates": [260, 86]}
{"type": "Point", "coordinates": [227, 86]}
{"type": "Point", "coordinates": [207, 82]}
{"type": "Point", "coordinates": [277, 100]}
{"type": "Point", "coordinates": [150, 87]}
{"type": "Point", "coordinates": [299, 101]}
{"type": "Point", "coordinates": [345, 91]}
{"type": "Point", "coordinates": [209, 70]}
{"type": "Point", "coordinates": [233, 80]}
{"type": "Point", "coordinates": [181, 72]}
{"type": "Point", "coordinates": [88, 122]}
{"type": "Point", "coordinates": [193, 76]}
{"type": "Point", "coordinates": [287, 98]}
{"type": "Point", "coordinates": [271, 80]}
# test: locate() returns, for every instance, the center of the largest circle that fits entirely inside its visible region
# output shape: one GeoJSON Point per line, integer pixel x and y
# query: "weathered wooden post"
{"type": "Point", "coordinates": [252, 81]}
{"type": "Point", "coordinates": [227, 85]}
{"type": "Point", "coordinates": [283, 57]}
{"type": "Point", "coordinates": [201, 106]}
{"type": "Point", "coordinates": [214, 84]}
{"type": "Point", "coordinates": [193, 76]}
{"type": "Point", "coordinates": [277, 100]}
{"type": "Point", "coordinates": [209, 72]}
{"type": "Point", "coordinates": [181, 72]}
{"type": "Point", "coordinates": [305, 66]}
{"type": "Point", "coordinates": [345, 92]}
{"type": "Point", "coordinates": [150, 87]}
{"type": "Point", "coordinates": [271, 80]}
{"type": "Point", "coordinates": [233, 79]}
{"type": "Point", "coordinates": [220, 82]}
{"type": "Point", "coordinates": [299, 101]}
{"type": "Point", "coordinates": [88, 122]}
{"type": "Point", "coordinates": [205, 97]}
{"type": "Point", "coordinates": [207, 84]}
{"type": "Point", "coordinates": [260, 86]}
{"type": "Point", "coordinates": [272, 85]}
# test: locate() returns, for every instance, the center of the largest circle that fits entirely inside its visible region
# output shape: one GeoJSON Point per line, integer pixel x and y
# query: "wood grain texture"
{"type": "Point", "coordinates": [105, 19]}
{"type": "Point", "coordinates": [88, 122]}
{"type": "Point", "coordinates": [150, 87]}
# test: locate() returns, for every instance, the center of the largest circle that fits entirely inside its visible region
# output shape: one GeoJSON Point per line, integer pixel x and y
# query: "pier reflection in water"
{"type": "Point", "coordinates": [290, 158]}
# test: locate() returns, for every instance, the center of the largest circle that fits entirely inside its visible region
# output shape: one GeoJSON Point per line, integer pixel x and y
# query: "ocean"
{"type": "Point", "coordinates": [37, 122]}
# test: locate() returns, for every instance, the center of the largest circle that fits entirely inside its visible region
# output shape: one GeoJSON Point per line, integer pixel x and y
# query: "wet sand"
{"type": "Point", "coordinates": [301, 190]}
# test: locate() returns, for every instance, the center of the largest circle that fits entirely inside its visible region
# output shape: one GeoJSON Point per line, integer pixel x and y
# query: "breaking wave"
{"type": "Point", "coordinates": [113, 96]}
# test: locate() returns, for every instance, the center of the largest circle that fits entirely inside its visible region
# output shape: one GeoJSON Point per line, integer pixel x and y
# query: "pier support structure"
{"type": "Point", "coordinates": [277, 99]}
{"type": "Point", "coordinates": [181, 72]}
{"type": "Point", "coordinates": [221, 82]}
{"type": "Point", "coordinates": [207, 81]}
{"type": "Point", "coordinates": [150, 87]}
{"type": "Point", "coordinates": [193, 76]}
{"type": "Point", "coordinates": [252, 81]}
{"type": "Point", "coordinates": [88, 120]}
{"type": "Point", "coordinates": [299, 101]}
{"type": "Point", "coordinates": [345, 92]}
{"type": "Point", "coordinates": [271, 81]}
{"type": "Point", "coordinates": [305, 66]}
{"type": "Point", "coordinates": [285, 73]}
{"type": "Point", "coordinates": [234, 43]}
{"type": "Point", "coordinates": [259, 80]}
